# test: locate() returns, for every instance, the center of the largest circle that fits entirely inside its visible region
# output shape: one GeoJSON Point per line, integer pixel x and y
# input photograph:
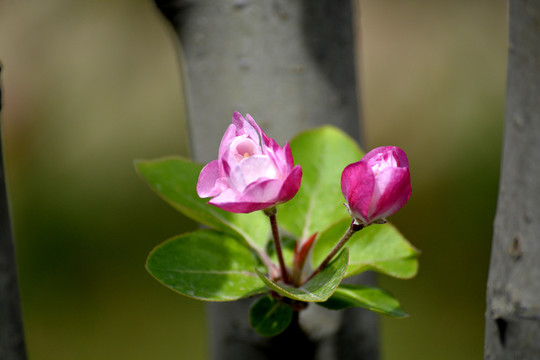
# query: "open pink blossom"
{"type": "Point", "coordinates": [378, 185]}
{"type": "Point", "coordinates": [251, 172]}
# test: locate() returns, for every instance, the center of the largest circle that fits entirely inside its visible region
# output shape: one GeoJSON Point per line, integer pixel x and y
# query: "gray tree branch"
{"type": "Point", "coordinates": [290, 64]}
{"type": "Point", "coordinates": [11, 330]}
{"type": "Point", "coordinates": [513, 294]}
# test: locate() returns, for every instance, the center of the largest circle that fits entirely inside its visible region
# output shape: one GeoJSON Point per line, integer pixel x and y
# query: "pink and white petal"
{"type": "Point", "coordinates": [250, 207]}
{"type": "Point", "coordinates": [222, 184]}
{"type": "Point", "coordinates": [288, 155]}
{"type": "Point", "coordinates": [398, 154]}
{"type": "Point", "coordinates": [290, 185]}
{"type": "Point", "coordinates": [243, 208]}
{"type": "Point", "coordinates": [257, 167]}
{"type": "Point", "coordinates": [267, 142]}
{"type": "Point", "coordinates": [272, 146]}
{"type": "Point", "coordinates": [402, 159]}
{"type": "Point", "coordinates": [383, 180]}
{"type": "Point", "coordinates": [225, 162]}
{"type": "Point", "coordinates": [249, 170]}
{"type": "Point", "coordinates": [226, 198]}
{"type": "Point", "coordinates": [252, 130]}
{"type": "Point", "coordinates": [396, 194]}
{"type": "Point", "coordinates": [378, 151]}
{"type": "Point", "coordinates": [225, 168]}
{"type": "Point", "coordinates": [279, 157]}
{"type": "Point", "coordinates": [254, 125]}
{"type": "Point", "coordinates": [262, 191]}
{"type": "Point", "coordinates": [236, 179]}
{"type": "Point", "coordinates": [238, 121]}
{"type": "Point", "coordinates": [226, 140]}
{"type": "Point", "coordinates": [227, 156]}
{"type": "Point", "coordinates": [357, 183]}
{"type": "Point", "coordinates": [206, 185]}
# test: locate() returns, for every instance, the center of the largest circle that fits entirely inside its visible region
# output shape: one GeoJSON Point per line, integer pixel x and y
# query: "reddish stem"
{"type": "Point", "coordinates": [350, 232]}
{"type": "Point", "coordinates": [271, 213]}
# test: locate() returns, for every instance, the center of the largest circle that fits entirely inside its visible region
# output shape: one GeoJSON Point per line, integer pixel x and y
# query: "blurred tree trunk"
{"type": "Point", "coordinates": [513, 294]}
{"type": "Point", "coordinates": [11, 329]}
{"type": "Point", "coordinates": [290, 64]}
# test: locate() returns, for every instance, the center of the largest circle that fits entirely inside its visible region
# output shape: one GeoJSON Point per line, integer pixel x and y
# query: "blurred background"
{"type": "Point", "coordinates": [90, 85]}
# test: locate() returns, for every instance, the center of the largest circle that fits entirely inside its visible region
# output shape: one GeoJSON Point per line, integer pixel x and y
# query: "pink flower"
{"type": "Point", "coordinates": [378, 185]}
{"type": "Point", "coordinates": [251, 173]}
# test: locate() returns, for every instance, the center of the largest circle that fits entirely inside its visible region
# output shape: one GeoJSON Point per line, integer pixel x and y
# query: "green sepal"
{"type": "Point", "coordinates": [381, 248]}
{"type": "Point", "coordinates": [269, 317]}
{"type": "Point", "coordinates": [318, 289]}
{"type": "Point", "coordinates": [323, 153]}
{"type": "Point", "coordinates": [371, 298]}
{"type": "Point", "coordinates": [175, 180]}
{"type": "Point", "coordinates": [206, 265]}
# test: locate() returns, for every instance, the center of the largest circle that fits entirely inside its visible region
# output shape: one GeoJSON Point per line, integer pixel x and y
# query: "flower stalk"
{"type": "Point", "coordinates": [271, 213]}
{"type": "Point", "coordinates": [348, 234]}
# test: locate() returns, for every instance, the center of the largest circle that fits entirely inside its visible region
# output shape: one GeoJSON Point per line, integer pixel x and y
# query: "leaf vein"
{"type": "Point", "coordinates": [212, 272]}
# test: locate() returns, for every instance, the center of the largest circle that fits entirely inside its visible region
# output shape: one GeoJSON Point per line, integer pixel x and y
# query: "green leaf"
{"type": "Point", "coordinates": [175, 180]}
{"type": "Point", "coordinates": [206, 265]}
{"type": "Point", "coordinates": [320, 288]}
{"type": "Point", "coordinates": [377, 247]}
{"type": "Point", "coordinates": [323, 153]}
{"type": "Point", "coordinates": [270, 317]}
{"type": "Point", "coordinates": [370, 298]}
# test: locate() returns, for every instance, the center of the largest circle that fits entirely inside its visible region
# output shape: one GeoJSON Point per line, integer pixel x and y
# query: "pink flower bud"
{"type": "Point", "coordinates": [378, 185]}
{"type": "Point", "coordinates": [251, 173]}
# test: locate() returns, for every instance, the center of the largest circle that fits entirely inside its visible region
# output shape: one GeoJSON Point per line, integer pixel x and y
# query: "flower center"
{"type": "Point", "coordinates": [244, 148]}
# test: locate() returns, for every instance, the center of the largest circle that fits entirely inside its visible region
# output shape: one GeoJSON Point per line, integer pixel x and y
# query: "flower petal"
{"type": "Point", "coordinates": [288, 156]}
{"type": "Point", "coordinates": [229, 135]}
{"type": "Point", "coordinates": [206, 186]}
{"type": "Point", "coordinates": [252, 172]}
{"type": "Point", "coordinates": [262, 191]}
{"type": "Point", "coordinates": [290, 185]}
{"type": "Point", "coordinates": [242, 208]}
{"type": "Point", "coordinates": [263, 138]}
{"type": "Point", "coordinates": [357, 183]}
{"type": "Point", "coordinates": [230, 201]}
{"type": "Point", "coordinates": [248, 127]}
{"type": "Point", "coordinates": [399, 155]}
{"type": "Point", "coordinates": [396, 191]}
{"type": "Point", "coordinates": [252, 169]}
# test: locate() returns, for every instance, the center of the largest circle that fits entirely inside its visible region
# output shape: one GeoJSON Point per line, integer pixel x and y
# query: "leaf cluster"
{"type": "Point", "coordinates": [229, 260]}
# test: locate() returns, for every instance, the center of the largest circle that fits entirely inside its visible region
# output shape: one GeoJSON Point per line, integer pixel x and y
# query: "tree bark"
{"type": "Point", "coordinates": [290, 64]}
{"type": "Point", "coordinates": [11, 329]}
{"type": "Point", "coordinates": [513, 293]}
